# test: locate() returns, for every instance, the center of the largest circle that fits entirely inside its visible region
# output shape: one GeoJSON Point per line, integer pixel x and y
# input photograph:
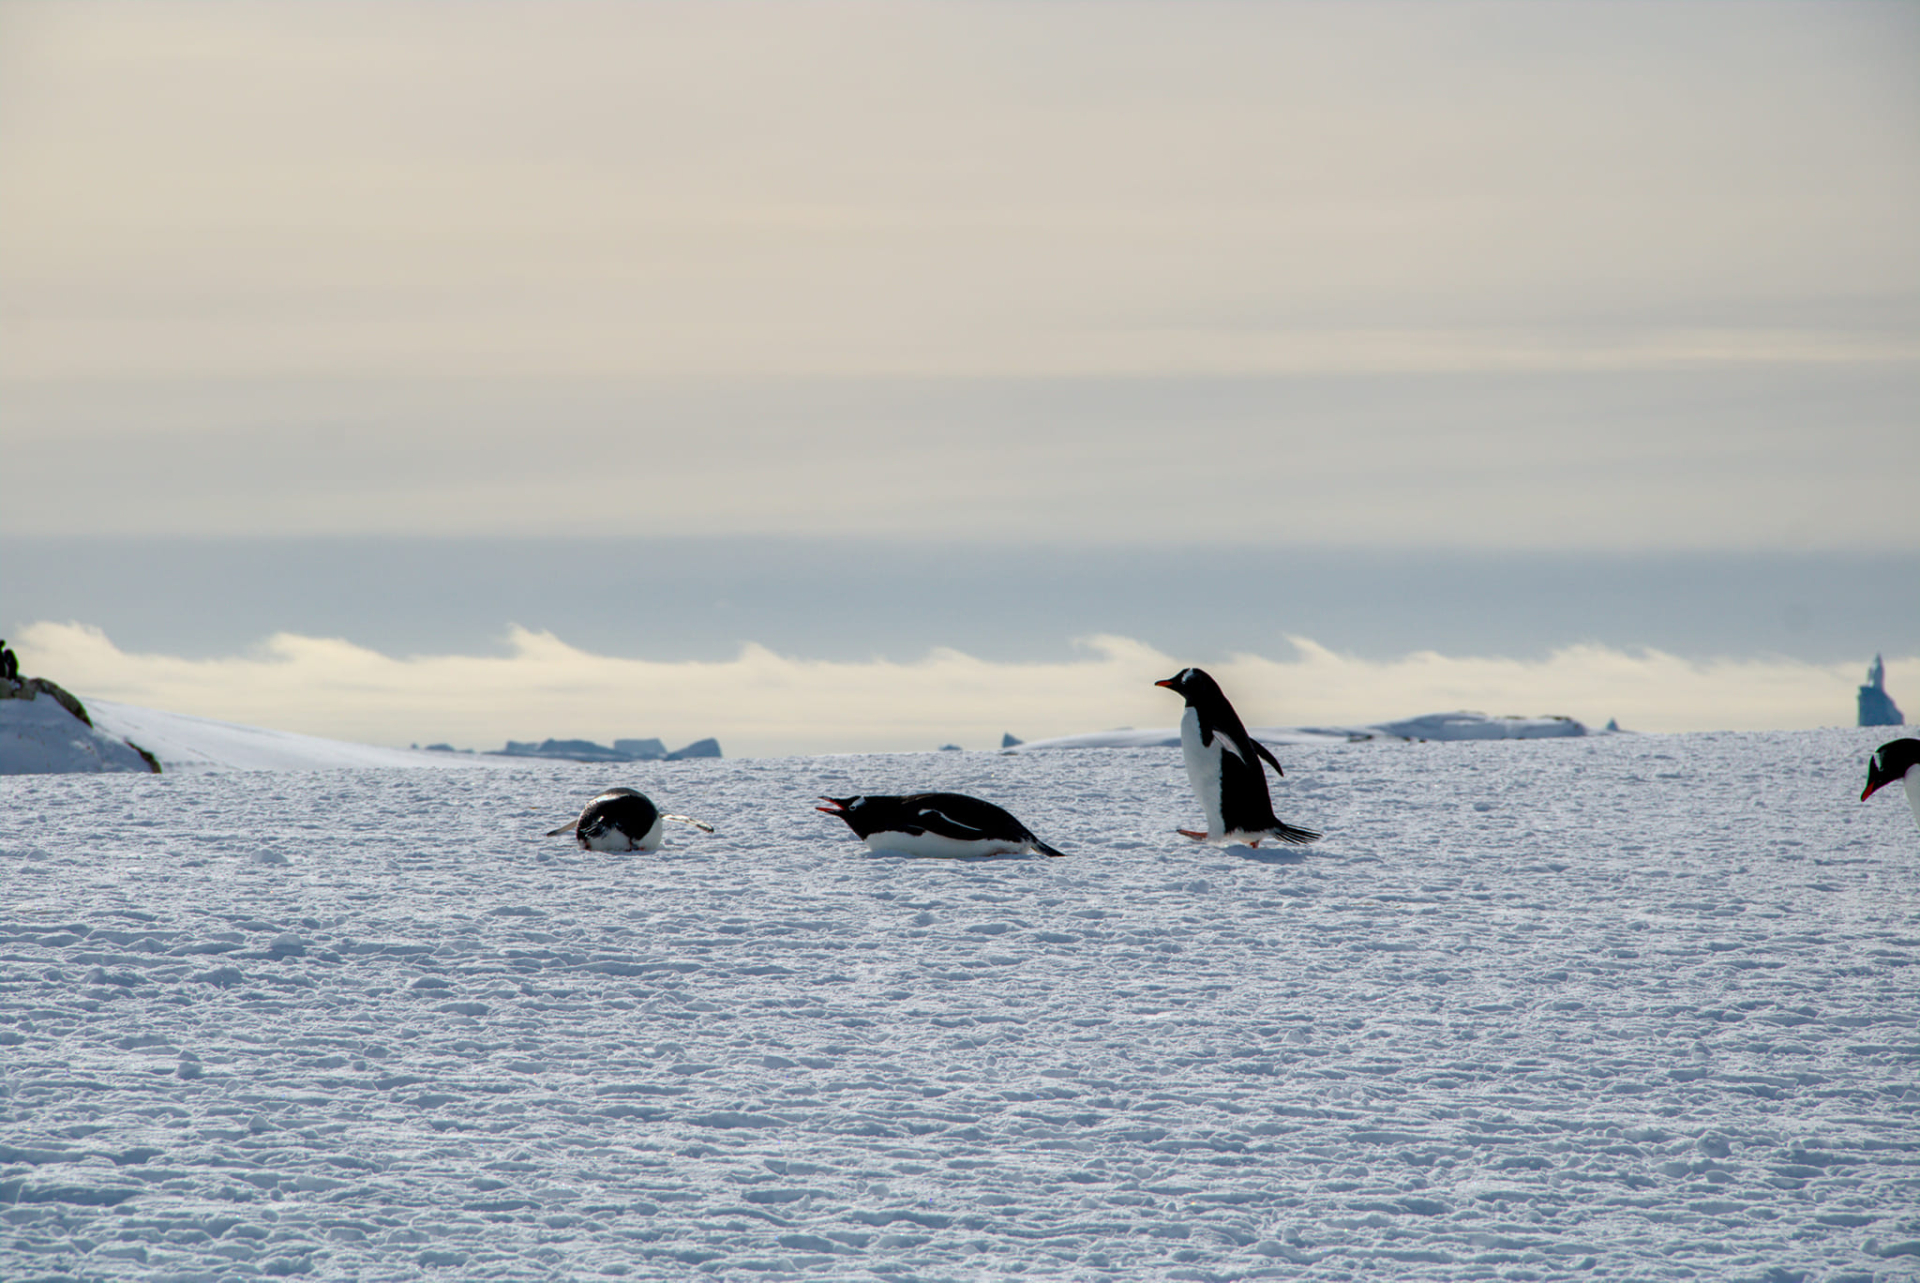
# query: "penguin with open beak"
{"type": "Point", "coordinates": [937, 824]}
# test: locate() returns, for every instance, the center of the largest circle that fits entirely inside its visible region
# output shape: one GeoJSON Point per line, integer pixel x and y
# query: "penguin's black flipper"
{"type": "Point", "coordinates": [568, 827]}
{"type": "Point", "coordinates": [944, 824]}
{"type": "Point", "coordinates": [1263, 751]}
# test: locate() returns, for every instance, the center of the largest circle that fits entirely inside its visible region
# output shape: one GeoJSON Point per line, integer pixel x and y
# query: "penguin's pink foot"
{"type": "Point", "coordinates": [1189, 833]}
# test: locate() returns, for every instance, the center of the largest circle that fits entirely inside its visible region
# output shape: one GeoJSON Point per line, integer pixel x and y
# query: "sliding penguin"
{"type": "Point", "coordinates": [938, 824]}
{"type": "Point", "coordinates": [1895, 760]}
{"type": "Point", "coordinates": [622, 820]}
{"type": "Point", "coordinates": [1223, 761]}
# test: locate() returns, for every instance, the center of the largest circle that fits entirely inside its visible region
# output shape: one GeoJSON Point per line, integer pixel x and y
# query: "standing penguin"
{"type": "Point", "coordinates": [621, 820]}
{"type": "Point", "coordinates": [1223, 761]}
{"type": "Point", "coordinates": [1896, 760]}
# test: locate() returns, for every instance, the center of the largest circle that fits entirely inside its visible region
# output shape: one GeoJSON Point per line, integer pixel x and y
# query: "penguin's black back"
{"type": "Point", "coordinates": [949, 815]}
{"type": "Point", "coordinates": [629, 811]}
{"type": "Point", "coordinates": [1246, 805]}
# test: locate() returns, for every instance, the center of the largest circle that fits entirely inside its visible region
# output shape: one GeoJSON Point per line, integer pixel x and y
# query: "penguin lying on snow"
{"type": "Point", "coordinates": [1895, 760]}
{"type": "Point", "coordinates": [622, 820]}
{"type": "Point", "coordinates": [941, 824]}
{"type": "Point", "coordinates": [1223, 761]}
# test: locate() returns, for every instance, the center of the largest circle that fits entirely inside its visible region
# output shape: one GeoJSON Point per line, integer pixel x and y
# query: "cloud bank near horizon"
{"type": "Point", "coordinates": [760, 703]}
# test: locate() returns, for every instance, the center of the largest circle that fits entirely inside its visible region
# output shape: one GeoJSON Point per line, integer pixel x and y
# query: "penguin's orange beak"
{"type": "Point", "coordinates": [1166, 682]}
{"type": "Point", "coordinates": [838, 807]}
{"type": "Point", "coordinates": [1869, 791]}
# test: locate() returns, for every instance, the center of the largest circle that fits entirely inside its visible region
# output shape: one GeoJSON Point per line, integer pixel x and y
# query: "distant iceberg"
{"type": "Point", "coordinates": [629, 750]}
{"type": "Point", "coordinates": [1876, 706]}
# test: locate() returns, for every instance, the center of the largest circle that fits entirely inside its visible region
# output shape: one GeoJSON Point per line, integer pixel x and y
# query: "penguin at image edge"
{"type": "Point", "coordinates": [1225, 765]}
{"type": "Point", "coordinates": [1895, 760]}
{"type": "Point", "coordinates": [622, 819]}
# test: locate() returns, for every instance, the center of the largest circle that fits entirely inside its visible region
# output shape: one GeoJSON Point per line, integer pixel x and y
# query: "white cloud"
{"type": "Point", "coordinates": [762, 704]}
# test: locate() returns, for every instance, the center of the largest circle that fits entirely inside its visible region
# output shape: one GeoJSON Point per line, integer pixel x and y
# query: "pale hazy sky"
{"type": "Point", "coordinates": [1616, 280]}
{"type": "Point", "coordinates": [1580, 275]}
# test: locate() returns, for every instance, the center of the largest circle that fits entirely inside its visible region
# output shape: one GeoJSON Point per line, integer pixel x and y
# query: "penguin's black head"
{"type": "Point", "coordinates": [1193, 685]}
{"type": "Point", "coordinates": [847, 808]}
{"type": "Point", "coordinates": [1890, 764]}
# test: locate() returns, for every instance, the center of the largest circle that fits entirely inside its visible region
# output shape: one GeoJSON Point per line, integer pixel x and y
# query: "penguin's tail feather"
{"type": "Point", "coordinates": [568, 827]}
{"type": "Point", "coordinates": [1044, 849]}
{"type": "Point", "coordinates": [702, 825]}
{"type": "Point", "coordinates": [1284, 832]}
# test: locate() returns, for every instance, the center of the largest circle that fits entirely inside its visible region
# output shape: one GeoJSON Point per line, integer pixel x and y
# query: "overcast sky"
{"type": "Point", "coordinates": [1616, 278]}
{"type": "Point", "coordinates": [918, 267]}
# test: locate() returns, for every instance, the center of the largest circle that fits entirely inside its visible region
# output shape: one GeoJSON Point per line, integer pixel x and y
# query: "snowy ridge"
{"type": "Point", "coordinates": [1617, 1007]}
{"type": "Point", "coordinates": [185, 744]}
{"type": "Point", "coordinates": [1478, 726]}
{"type": "Point", "coordinates": [1431, 726]}
{"type": "Point", "coordinates": [1169, 737]}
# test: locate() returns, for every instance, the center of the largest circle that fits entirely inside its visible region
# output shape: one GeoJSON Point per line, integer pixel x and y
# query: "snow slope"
{"type": "Point", "coordinates": [184, 743]}
{"type": "Point", "coordinates": [1614, 1007]}
{"type": "Point", "coordinates": [39, 735]}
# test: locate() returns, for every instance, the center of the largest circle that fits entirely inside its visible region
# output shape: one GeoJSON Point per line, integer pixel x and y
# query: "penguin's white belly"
{"type": "Point", "coordinates": [1203, 768]}
{"type": "Point", "coordinates": [616, 840]}
{"type": "Point", "coordinates": [1912, 783]}
{"type": "Point", "coordinates": [944, 847]}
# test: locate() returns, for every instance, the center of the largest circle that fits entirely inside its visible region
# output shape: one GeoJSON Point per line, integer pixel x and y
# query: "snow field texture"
{"type": "Point", "coordinates": [1621, 1007]}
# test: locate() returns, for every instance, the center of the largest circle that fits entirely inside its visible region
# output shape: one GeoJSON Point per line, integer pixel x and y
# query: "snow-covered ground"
{"type": "Point", "coordinates": [1612, 1007]}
